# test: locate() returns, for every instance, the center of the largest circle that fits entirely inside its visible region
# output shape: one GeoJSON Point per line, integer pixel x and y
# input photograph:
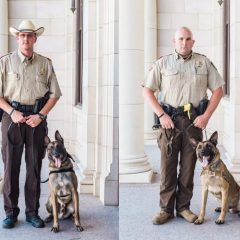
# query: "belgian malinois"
{"type": "Point", "coordinates": [63, 201]}
{"type": "Point", "coordinates": [216, 179]}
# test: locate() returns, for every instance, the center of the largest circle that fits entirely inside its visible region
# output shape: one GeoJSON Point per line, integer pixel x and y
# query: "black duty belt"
{"type": "Point", "coordinates": [25, 108]}
{"type": "Point", "coordinates": [22, 108]}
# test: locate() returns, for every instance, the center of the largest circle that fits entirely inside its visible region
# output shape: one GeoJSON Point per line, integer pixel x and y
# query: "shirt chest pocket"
{"type": "Point", "coordinates": [12, 84]}
{"type": "Point", "coordinates": [200, 76]}
{"type": "Point", "coordinates": [41, 78]}
{"type": "Point", "coordinates": [170, 78]}
{"type": "Point", "coordinates": [12, 77]}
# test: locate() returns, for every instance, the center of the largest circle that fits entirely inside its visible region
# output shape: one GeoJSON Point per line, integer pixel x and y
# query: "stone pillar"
{"type": "Point", "coordinates": [133, 166]}
{"type": "Point", "coordinates": [3, 27]}
{"type": "Point", "coordinates": [150, 48]}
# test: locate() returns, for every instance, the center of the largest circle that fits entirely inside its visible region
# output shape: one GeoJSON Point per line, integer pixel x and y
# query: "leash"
{"type": "Point", "coordinates": [169, 140]}
{"type": "Point", "coordinates": [205, 131]}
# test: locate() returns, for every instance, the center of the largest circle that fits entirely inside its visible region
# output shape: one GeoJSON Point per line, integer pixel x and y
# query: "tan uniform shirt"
{"type": "Point", "coordinates": [24, 80]}
{"type": "Point", "coordinates": [183, 81]}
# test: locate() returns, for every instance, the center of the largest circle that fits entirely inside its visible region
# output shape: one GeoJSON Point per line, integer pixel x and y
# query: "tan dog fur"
{"type": "Point", "coordinates": [63, 201]}
{"type": "Point", "coordinates": [216, 179]}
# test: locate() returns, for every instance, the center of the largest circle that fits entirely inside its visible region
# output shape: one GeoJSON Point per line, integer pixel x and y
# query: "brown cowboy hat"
{"type": "Point", "coordinates": [26, 26]}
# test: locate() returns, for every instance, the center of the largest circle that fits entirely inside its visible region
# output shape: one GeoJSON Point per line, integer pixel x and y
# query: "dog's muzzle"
{"type": "Point", "coordinates": [206, 156]}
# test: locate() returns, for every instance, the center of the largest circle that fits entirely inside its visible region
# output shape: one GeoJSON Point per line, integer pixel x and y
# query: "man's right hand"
{"type": "Point", "coordinates": [17, 117]}
{"type": "Point", "coordinates": [166, 122]}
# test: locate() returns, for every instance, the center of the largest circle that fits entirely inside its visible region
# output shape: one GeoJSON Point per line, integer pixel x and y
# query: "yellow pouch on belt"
{"type": "Point", "coordinates": [187, 108]}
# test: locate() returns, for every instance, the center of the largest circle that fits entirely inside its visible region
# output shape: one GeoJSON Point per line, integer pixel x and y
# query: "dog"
{"type": "Point", "coordinates": [216, 179]}
{"type": "Point", "coordinates": [63, 201]}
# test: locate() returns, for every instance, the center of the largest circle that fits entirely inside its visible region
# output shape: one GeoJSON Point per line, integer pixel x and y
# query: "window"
{"type": "Point", "coordinates": [226, 47]}
{"type": "Point", "coordinates": [79, 52]}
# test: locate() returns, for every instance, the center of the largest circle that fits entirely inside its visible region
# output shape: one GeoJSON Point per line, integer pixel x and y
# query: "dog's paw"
{"type": "Point", "coordinates": [55, 229]}
{"type": "Point", "coordinates": [219, 221]}
{"type": "Point", "coordinates": [198, 221]}
{"type": "Point", "coordinates": [79, 228]}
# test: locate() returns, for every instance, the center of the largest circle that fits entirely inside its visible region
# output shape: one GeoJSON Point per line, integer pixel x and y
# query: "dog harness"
{"type": "Point", "coordinates": [213, 171]}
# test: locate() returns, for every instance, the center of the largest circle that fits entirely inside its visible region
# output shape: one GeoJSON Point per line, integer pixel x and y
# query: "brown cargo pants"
{"type": "Point", "coordinates": [13, 141]}
{"type": "Point", "coordinates": [177, 169]}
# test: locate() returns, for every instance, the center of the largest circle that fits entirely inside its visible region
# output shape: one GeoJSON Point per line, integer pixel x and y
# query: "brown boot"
{"type": "Point", "coordinates": [188, 215]}
{"type": "Point", "coordinates": [162, 217]}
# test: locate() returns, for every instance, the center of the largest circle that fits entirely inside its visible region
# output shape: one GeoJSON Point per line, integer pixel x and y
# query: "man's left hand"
{"type": "Point", "coordinates": [201, 121]}
{"type": "Point", "coordinates": [33, 120]}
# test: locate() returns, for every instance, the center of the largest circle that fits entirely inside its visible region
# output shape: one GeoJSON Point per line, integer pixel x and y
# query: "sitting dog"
{"type": "Point", "coordinates": [216, 179]}
{"type": "Point", "coordinates": [63, 200]}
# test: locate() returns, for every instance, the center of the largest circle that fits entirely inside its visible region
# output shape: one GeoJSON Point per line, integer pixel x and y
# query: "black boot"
{"type": "Point", "coordinates": [9, 222]}
{"type": "Point", "coordinates": [36, 221]}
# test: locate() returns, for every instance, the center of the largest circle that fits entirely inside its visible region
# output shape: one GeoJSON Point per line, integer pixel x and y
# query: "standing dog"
{"type": "Point", "coordinates": [63, 200]}
{"type": "Point", "coordinates": [216, 179]}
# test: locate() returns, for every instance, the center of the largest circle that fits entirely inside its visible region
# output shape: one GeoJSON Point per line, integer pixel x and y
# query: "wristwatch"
{"type": "Point", "coordinates": [42, 116]}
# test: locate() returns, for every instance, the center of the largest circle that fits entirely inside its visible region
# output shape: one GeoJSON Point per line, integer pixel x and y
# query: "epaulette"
{"type": "Point", "coordinates": [159, 59]}
{"type": "Point", "coordinates": [45, 57]}
{"type": "Point", "coordinates": [6, 55]}
{"type": "Point", "coordinates": [200, 54]}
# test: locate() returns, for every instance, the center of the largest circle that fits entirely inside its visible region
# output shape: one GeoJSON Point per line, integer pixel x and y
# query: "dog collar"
{"type": "Point", "coordinates": [62, 170]}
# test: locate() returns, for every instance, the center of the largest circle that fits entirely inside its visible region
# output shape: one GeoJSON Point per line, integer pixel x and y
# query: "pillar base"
{"type": "Point", "coordinates": [143, 177]}
{"type": "Point", "coordinates": [135, 169]}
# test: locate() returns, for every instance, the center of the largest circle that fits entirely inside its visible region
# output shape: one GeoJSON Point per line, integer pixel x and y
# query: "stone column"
{"type": "Point", "coordinates": [133, 166]}
{"type": "Point", "coordinates": [3, 27]}
{"type": "Point", "coordinates": [150, 48]}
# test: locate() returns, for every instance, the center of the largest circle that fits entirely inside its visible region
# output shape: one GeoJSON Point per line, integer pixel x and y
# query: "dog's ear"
{"type": "Point", "coordinates": [46, 141]}
{"type": "Point", "coordinates": [214, 138]}
{"type": "Point", "coordinates": [58, 137]}
{"type": "Point", "coordinates": [194, 142]}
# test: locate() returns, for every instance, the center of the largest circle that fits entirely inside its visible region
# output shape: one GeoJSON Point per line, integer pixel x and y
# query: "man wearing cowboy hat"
{"type": "Point", "coordinates": [28, 91]}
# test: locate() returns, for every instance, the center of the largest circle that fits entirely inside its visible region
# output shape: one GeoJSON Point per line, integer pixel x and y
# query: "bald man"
{"type": "Point", "coordinates": [182, 78]}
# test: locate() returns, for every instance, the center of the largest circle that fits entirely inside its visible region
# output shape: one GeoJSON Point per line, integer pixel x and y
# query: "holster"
{"type": "Point", "coordinates": [203, 104]}
{"type": "Point", "coordinates": [39, 104]}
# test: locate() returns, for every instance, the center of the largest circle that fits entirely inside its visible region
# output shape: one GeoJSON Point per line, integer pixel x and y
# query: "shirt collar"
{"type": "Point", "coordinates": [178, 56]}
{"type": "Point", "coordinates": [24, 58]}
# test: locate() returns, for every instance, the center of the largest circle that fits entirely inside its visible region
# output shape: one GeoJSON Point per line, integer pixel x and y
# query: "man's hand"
{"type": "Point", "coordinates": [33, 120]}
{"type": "Point", "coordinates": [201, 121]}
{"type": "Point", "coordinates": [17, 117]}
{"type": "Point", "coordinates": [166, 121]}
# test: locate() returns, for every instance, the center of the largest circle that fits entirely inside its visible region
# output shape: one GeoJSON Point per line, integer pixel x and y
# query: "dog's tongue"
{"type": "Point", "coordinates": [57, 162]}
{"type": "Point", "coordinates": [205, 161]}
